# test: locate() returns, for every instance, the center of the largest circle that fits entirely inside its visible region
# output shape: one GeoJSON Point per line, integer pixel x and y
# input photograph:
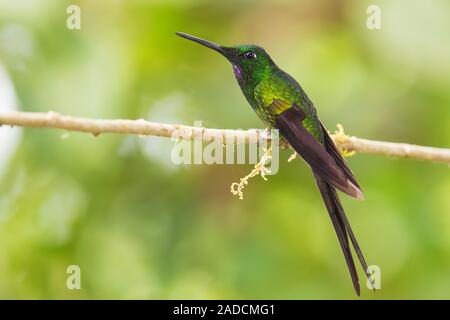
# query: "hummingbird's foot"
{"type": "Point", "coordinates": [265, 136]}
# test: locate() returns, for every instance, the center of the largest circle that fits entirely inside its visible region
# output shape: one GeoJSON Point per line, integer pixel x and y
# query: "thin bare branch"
{"type": "Point", "coordinates": [345, 143]}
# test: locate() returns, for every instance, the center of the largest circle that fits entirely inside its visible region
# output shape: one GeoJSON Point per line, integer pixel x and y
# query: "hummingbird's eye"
{"type": "Point", "coordinates": [250, 55]}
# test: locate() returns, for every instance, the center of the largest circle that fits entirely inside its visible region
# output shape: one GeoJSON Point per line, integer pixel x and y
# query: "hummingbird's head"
{"type": "Point", "coordinates": [250, 62]}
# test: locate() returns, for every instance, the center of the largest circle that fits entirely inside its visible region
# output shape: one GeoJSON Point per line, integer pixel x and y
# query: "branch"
{"type": "Point", "coordinates": [345, 143]}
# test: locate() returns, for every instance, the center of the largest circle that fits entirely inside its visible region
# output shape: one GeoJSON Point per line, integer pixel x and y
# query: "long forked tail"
{"type": "Point", "coordinates": [343, 230]}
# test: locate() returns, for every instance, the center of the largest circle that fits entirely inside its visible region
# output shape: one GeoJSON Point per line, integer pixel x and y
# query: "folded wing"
{"type": "Point", "coordinates": [325, 160]}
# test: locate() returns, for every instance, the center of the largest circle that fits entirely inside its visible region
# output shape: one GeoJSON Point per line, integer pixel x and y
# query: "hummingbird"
{"type": "Point", "coordinates": [281, 103]}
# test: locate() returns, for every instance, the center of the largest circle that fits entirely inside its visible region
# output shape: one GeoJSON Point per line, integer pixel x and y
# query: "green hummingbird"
{"type": "Point", "coordinates": [281, 103]}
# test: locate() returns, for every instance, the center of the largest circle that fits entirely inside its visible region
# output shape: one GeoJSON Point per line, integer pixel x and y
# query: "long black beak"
{"type": "Point", "coordinates": [203, 42]}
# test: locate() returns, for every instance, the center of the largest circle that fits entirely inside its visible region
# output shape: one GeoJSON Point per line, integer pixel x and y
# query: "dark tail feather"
{"type": "Point", "coordinates": [342, 228]}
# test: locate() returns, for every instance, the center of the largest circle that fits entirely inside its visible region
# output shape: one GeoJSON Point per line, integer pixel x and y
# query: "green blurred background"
{"type": "Point", "coordinates": [140, 227]}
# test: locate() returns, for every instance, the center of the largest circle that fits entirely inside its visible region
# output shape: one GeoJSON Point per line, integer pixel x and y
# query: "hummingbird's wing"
{"type": "Point", "coordinates": [323, 162]}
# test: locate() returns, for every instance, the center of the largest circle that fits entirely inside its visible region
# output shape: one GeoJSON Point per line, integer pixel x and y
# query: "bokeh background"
{"type": "Point", "coordinates": [141, 227]}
